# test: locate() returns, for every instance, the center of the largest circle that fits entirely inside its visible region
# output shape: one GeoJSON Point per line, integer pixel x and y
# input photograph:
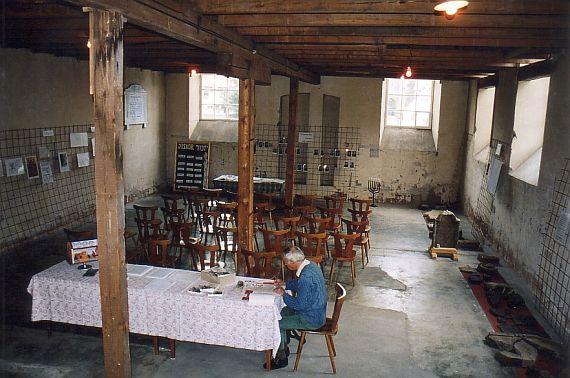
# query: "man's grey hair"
{"type": "Point", "coordinates": [294, 254]}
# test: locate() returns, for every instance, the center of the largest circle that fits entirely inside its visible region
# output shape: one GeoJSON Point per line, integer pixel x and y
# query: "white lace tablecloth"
{"type": "Point", "coordinates": [62, 294]}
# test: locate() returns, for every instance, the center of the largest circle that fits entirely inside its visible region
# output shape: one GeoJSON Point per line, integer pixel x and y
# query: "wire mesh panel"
{"type": "Point", "coordinates": [324, 163]}
{"type": "Point", "coordinates": [482, 221]}
{"type": "Point", "coordinates": [553, 277]}
{"type": "Point", "coordinates": [29, 206]}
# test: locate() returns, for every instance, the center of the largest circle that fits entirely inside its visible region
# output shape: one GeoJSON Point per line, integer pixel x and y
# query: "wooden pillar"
{"type": "Point", "coordinates": [291, 141]}
{"type": "Point", "coordinates": [245, 162]}
{"type": "Point", "coordinates": [106, 29]}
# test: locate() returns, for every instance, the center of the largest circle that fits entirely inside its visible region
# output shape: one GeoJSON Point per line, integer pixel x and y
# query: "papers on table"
{"type": "Point", "coordinates": [138, 270]}
{"type": "Point", "coordinates": [159, 273]}
{"type": "Point", "coordinates": [261, 299]}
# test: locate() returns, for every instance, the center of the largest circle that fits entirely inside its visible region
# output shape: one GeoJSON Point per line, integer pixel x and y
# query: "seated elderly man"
{"type": "Point", "coordinates": [306, 309]}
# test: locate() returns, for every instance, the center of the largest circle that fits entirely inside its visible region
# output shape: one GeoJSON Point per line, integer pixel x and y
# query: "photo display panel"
{"type": "Point", "coordinates": [191, 165]}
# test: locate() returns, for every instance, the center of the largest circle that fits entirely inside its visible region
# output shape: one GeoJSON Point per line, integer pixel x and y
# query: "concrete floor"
{"type": "Point", "coordinates": [407, 316]}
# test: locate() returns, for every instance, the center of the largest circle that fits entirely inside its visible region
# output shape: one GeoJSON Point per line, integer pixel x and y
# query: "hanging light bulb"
{"type": "Point", "coordinates": [409, 72]}
{"type": "Point", "coordinates": [402, 77]}
{"type": "Point", "coordinates": [88, 44]}
{"type": "Point", "coordinates": [193, 73]}
{"type": "Point", "coordinates": [450, 8]}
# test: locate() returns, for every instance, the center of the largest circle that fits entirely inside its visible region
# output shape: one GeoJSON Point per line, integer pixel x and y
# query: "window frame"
{"type": "Point", "coordinates": [431, 111]}
{"type": "Point", "coordinates": [202, 118]}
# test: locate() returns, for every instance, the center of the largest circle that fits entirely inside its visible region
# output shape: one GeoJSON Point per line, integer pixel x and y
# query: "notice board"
{"type": "Point", "coordinates": [191, 168]}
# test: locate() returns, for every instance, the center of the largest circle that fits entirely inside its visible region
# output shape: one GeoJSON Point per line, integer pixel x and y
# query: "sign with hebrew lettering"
{"type": "Point", "coordinates": [191, 168]}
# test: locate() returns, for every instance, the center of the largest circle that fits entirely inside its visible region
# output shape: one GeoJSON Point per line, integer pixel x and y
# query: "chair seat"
{"type": "Point", "coordinates": [362, 240]}
{"type": "Point", "coordinates": [329, 328]}
{"type": "Point", "coordinates": [191, 240]}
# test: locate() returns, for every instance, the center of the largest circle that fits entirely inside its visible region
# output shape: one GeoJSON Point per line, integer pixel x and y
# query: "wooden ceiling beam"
{"type": "Point", "coordinates": [335, 6]}
{"type": "Point", "coordinates": [269, 41]}
{"type": "Point", "coordinates": [191, 28]}
{"type": "Point", "coordinates": [401, 31]}
{"type": "Point", "coordinates": [557, 21]}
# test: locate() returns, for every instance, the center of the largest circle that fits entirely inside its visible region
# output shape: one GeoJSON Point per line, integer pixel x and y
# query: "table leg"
{"type": "Point", "coordinates": [268, 354]}
{"type": "Point", "coordinates": [172, 348]}
{"type": "Point", "coordinates": [155, 344]}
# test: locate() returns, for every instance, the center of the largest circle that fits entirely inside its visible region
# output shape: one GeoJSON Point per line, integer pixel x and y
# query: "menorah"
{"type": "Point", "coordinates": [374, 188]}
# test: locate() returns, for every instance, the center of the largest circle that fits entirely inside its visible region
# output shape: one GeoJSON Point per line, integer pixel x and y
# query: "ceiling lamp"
{"type": "Point", "coordinates": [450, 8]}
{"type": "Point", "coordinates": [193, 73]}
{"type": "Point", "coordinates": [408, 72]}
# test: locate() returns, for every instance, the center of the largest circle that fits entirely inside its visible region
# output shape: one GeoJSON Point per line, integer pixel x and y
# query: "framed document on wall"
{"type": "Point", "coordinates": [191, 165]}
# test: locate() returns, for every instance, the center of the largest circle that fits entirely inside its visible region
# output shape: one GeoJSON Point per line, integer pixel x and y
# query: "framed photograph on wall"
{"type": "Point", "coordinates": [15, 167]}
{"type": "Point", "coordinates": [32, 167]}
{"type": "Point", "coordinates": [63, 161]}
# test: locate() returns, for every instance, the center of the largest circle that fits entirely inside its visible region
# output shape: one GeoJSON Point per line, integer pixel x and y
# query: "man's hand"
{"type": "Point", "coordinates": [277, 282]}
{"type": "Point", "coordinates": [279, 290]}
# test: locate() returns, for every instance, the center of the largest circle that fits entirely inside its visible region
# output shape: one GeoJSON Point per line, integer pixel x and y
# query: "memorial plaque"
{"type": "Point", "coordinates": [191, 168]}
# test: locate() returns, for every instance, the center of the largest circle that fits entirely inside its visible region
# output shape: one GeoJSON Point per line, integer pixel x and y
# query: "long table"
{"type": "Point", "coordinates": [160, 307]}
{"type": "Point", "coordinates": [260, 184]}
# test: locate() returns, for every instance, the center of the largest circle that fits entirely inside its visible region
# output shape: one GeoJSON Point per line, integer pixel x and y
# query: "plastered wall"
{"type": "Point", "coordinates": [42, 91]}
{"type": "Point", "coordinates": [519, 212]}
{"type": "Point", "coordinates": [409, 172]}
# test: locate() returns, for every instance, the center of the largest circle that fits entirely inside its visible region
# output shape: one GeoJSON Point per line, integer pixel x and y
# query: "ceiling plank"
{"type": "Point", "coordinates": [193, 29]}
{"type": "Point", "coordinates": [402, 31]}
{"type": "Point", "coordinates": [377, 19]}
{"type": "Point", "coordinates": [346, 6]}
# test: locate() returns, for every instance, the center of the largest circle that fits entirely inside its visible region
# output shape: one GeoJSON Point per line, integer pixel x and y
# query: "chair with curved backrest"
{"type": "Point", "coordinates": [328, 330]}
{"type": "Point", "coordinates": [157, 253]}
{"type": "Point", "coordinates": [190, 195]}
{"type": "Point", "coordinates": [200, 252]}
{"type": "Point", "coordinates": [334, 208]}
{"type": "Point", "coordinates": [173, 211]}
{"type": "Point", "coordinates": [287, 223]}
{"type": "Point", "coordinates": [182, 237]}
{"type": "Point", "coordinates": [262, 264]}
{"type": "Point", "coordinates": [313, 246]}
{"type": "Point", "coordinates": [344, 252]}
{"type": "Point", "coordinates": [362, 242]}
{"type": "Point", "coordinates": [228, 214]}
{"type": "Point", "coordinates": [213, 195]}
{"type": "Point", "coordinates": [147, 224]}
{"type": "Point", "coordinates": [267, 198]}
{"type": "Point", "coordinates": [227, 239]}
{"type": "Point", "coordinates": [362, 216]}
{"type": "Point", "coordinates": [275, 241]}
{"type": "Point", "coordinates": [360, 204]}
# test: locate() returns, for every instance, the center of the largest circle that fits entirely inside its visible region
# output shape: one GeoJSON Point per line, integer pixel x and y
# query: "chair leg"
{"type": "Point", "coordinates": [332, 345]}
{"type": "Point", "coordinates": [366, 247]}
{"type": "Point", "coordinates": [332, 272]}
{"type": "Point", "coordinates": [331, 352]}
{"type": "Point", "coordinates": [172, 348]}
{"type": "Point", "coordinates": [353, 273]}
{"type": "Point", "coordinates": [362, 252]}
{"type": "Point", "coordinates": [299, 350]}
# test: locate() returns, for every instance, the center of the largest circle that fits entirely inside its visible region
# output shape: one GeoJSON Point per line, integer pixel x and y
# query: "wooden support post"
{"type": "Point", "coordinates": [106, 29]}
{"type": "Point", "coordinates": [291, 141]}
{"type": "Point", "coordinates": [245, 162]}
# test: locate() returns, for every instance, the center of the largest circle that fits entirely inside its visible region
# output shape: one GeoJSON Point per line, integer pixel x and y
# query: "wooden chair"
{"type": "Point", "coordinates": [275, 241]}
{"type": "Point", "coordinates": [313, 246]}
{"type": "Point", "coordinates": [287, 223]}
{"type": "Point", "coordinates": [227, 238]}
{"type": "Point", "coordinates": [207, 220]}
{"type": "Point", "coordinates": [213, 195]}
{"type": "Point", "coordinates": [362, 242]}
{"type": "Point", "coordinates": [334, 208]}
{"type": "Point", "coordinates": [360, 204]}
{"type": "Point", "coordinates": [362, 216]}
{"type": "Point", "coordinates": [328, 330]}
{"type": "Point", "coordinates": [190, 195]}
{"type": "Point", "coordinates": [309, 200]}
{"type": "Point", "coordinates": [267, 198]}
{"type": "Point", "coordinates": [182, 237]}
{"type": "Point", "coordinates": [263, 264]}
{"type": "Point", "coordinates": [343, 252]}
{"type": "Point", "coordinates": [228, 214]}
{"type": "Point", "coordinates": [173, 211]}
{"type": "Point", "coordinates": [157, 253]}
{"type": "Point", "coordinates": [200, 253]}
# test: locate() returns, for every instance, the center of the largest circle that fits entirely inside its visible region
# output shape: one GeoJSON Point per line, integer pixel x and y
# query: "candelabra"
{"type": "Point", "coordinates": [374, 188]}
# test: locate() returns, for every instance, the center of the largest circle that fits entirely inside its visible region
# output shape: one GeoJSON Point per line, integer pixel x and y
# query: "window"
{"type": "Point", "coordinates": [409, 103]}
{"type": "Point", "coordinates": [219, 97]}
{"type": "Point", "coordinates": [530, 117]}
{"type": "Point", "coordinates": [483, 123]}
